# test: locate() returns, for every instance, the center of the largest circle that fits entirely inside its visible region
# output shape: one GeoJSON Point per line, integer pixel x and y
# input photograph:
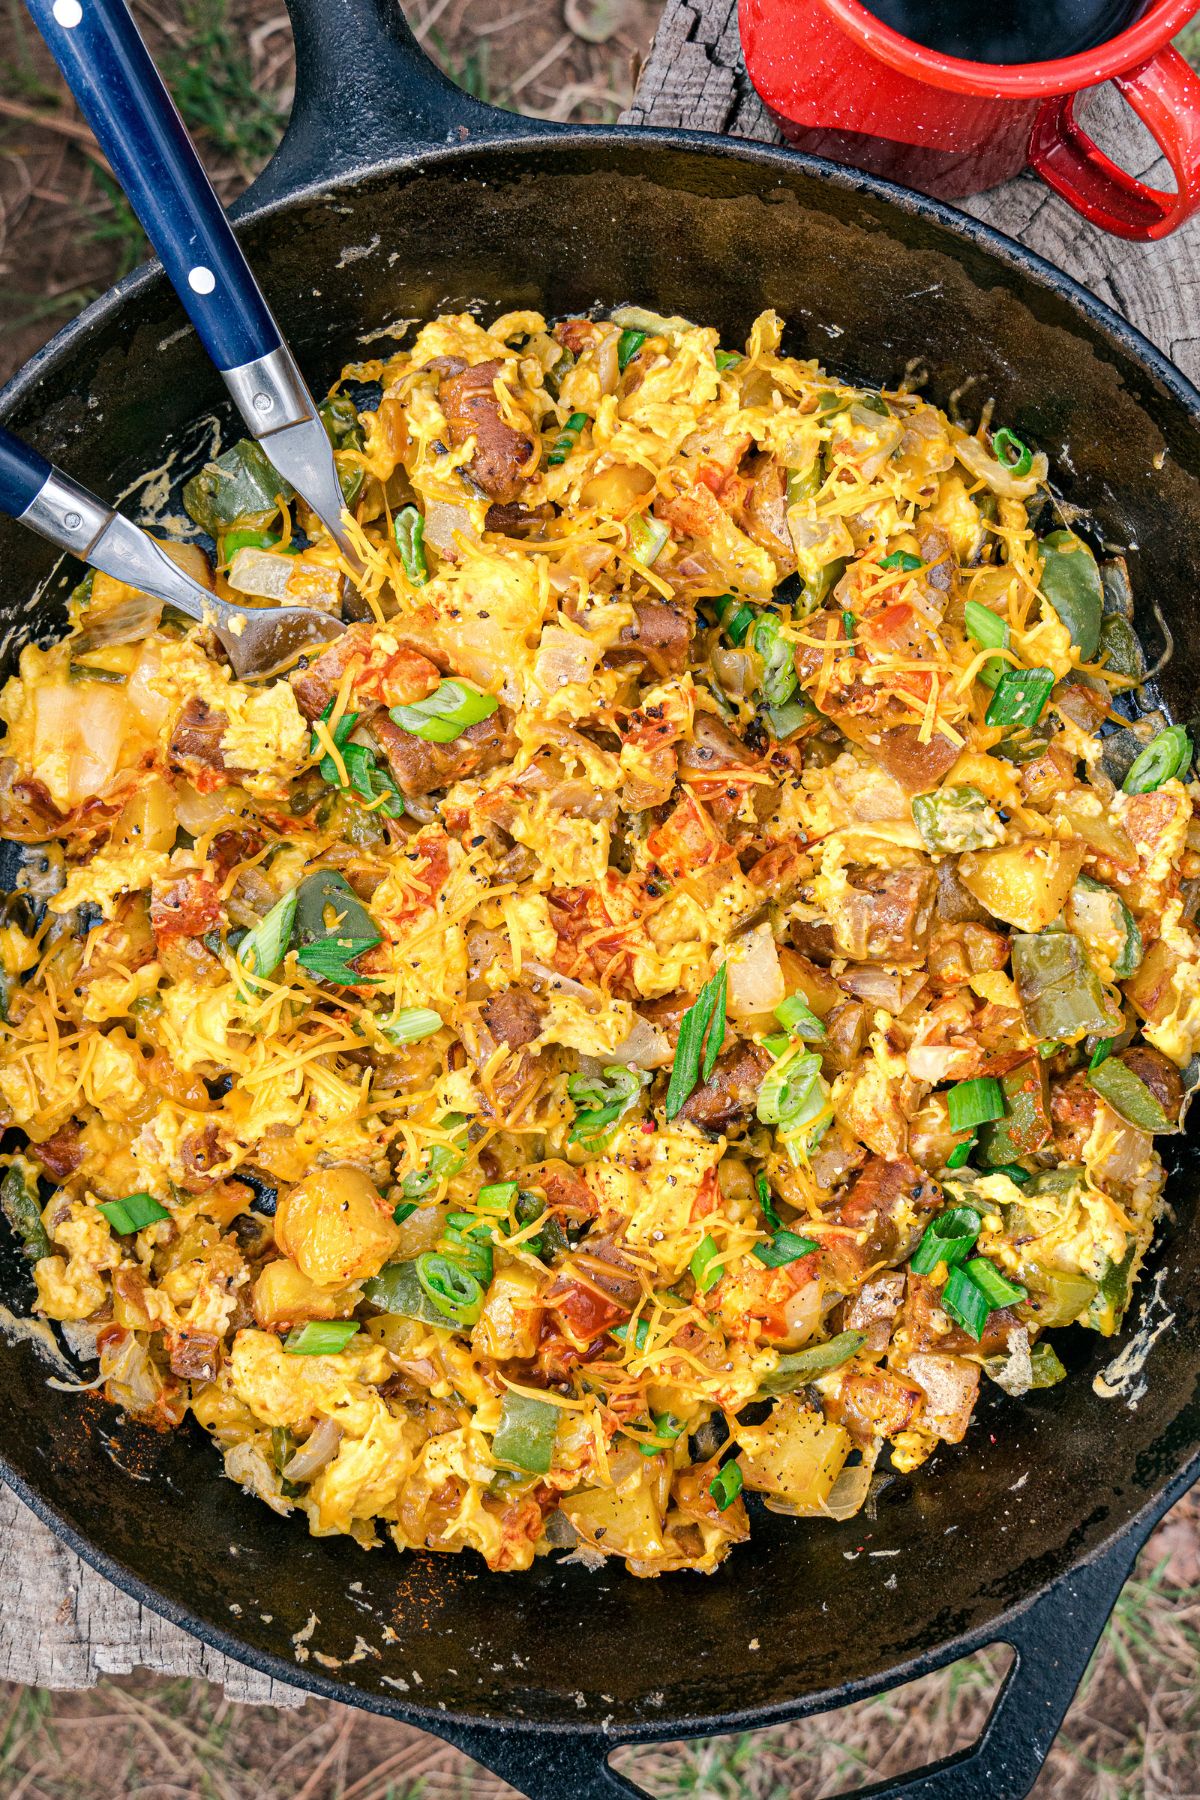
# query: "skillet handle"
{"type": "Point", "coordinates": [366, 92]}
{"type": "Point", "coordinates": [121, 95]}
{"type": "Point", "coordinates": [1054, 1639]}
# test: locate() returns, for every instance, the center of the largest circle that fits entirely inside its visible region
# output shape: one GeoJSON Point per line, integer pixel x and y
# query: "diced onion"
{"type": "Point", "coordinates": [563, 658]}
{"type": "Point", "coordinates": [318, 1449]}
{"type": "Point", "coordinates": [756, 983]}
{"type": "Point", "coordinates": [645, 1048]}
{"type": "Point", "coordinates": [443, 521]}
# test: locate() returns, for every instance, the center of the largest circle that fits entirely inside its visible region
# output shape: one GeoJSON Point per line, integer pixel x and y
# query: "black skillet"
{"type": "Point", "coordinates": [394, 196]}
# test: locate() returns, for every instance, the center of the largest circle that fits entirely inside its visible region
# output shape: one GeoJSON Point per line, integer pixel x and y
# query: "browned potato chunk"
{"type": "Point", "coordinates": [336, 1226]}
{"type": "Point", "coordinates": [1025, 884]}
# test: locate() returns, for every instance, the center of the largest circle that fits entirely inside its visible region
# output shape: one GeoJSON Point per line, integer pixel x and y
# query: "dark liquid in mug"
{"type": "Point", "coordinates": [1007, 31]}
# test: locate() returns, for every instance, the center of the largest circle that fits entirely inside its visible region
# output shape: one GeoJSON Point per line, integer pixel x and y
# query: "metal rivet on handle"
{"type": "Point", "coordinates": [201, 280]}
{"type": "Point", "coordinates": [262, 403]}
{"type": "Point", "coordinates": [67, 13]}
{"type": "Point", "coordinates": [72, 520]}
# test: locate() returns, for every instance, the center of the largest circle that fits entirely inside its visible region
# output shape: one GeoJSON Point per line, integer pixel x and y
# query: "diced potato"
{"type": "Point", "coordinates": [795, 1456]}
{"type": "Point", "coordinates": [622, 1521]}
{"type": "Point", "coordinates": [1151, 988]}
{"type": "Point", "coordinates": [951, 1385]}
{"type": "Point", "coordinates": [283, 1295]}
{"type": "Point", "coordinates": [510, 1322]}
{"type": "Point", "coordinates": [336, 1225]}
{"type": "Point", "coordinates": [1025, 884]}
{"type": "Point", "coordinates": [147, 820]}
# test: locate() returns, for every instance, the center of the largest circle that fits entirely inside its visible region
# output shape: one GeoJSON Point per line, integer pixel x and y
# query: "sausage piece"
{"type": "Point", "coordinates": [420, 767]}
{"type": "Point", "coordinates": [729, 1095]}
{"type": "Point", "coordinates": [468, 400]}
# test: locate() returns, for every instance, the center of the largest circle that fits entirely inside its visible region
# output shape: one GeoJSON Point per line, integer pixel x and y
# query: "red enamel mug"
{"type": "Point", "coordinates": [842, 84]}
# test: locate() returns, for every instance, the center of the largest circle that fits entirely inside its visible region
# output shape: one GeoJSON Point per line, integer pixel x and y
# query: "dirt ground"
{"type": "Point", "coordinates": [65, 234]}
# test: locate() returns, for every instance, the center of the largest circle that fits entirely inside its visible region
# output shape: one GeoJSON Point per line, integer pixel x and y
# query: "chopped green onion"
{"type": "Point", "coordinates": [699, 1019]}
{"type": "Point", "coordinates": [444, 1160]}
{"type": "Point", "coordinates": [640, 1336]}
{"type": "Point", "coordinates": [798, 1018]}
{"type": "Point", "coordinates": [785, 1247]}
{"type": "Point", "coordinates": [452, 1289]}
{"type": "Point", "coordinates": [1128, 1095]}
{"type": "Point", "coordinates": [628, 345]}
{"type": "Point", "coordinates": [404, 1210]}
{"type": "Point", "coordinates": [778, 1044]}
{"type": "Point", "coordinates": [765, 1202]}
{"type": "Point", "coordinates": [1100, 1054]}
{"type": "Point", "coordinates": [497, 1196]}
{"type": "Point", "coordinates": [445, 714]}
{"type": "Point", "coordinates": [1000, 1291]}
{"type": "Point", "coordinates": [947, 1239]}
{"type": "Point", "coordinates": [726, 1485]}
{"type": "Point", "coordinates": [849, 625]}
{"type": "Point", "coordinates": [901, 559]}
{"type": "Point", "coordinates": [961, 1153]}
{"type": "Point", "coordinates": [736, 618]}
{"type": "Point", "coordinates": [974, 1291]}
{"type": "Point", "coordinates": [340, 732]}
{"type": "Point", "coordinates": [603, 1101]}
{"type": "Point", "coordinates": [785, 1089]}
{"type": "Point", "coordinates": [408, 529]}
{"type": "Point", "coordinates": [262, 950]}
{"type": "Point", "coordinates": [973, 1103]}
{"type": "Point", "coordinates": [131, 1213]}
{"type": "Point", "coordinates": [467, 1243]}
{"type": "Point", "coordinates": [666, 1428]}
{"type": "Point", "coordinates": [1008, 450]}
{"type": "Point", "coordinates": [647, 539]}
{"type": "Point", "coordinates": [705, 1265]}
{"type": "Point", "coordinates": [990, 632]}
{"type": "Point", "coordinates": [410, 1024]}
{"type": "Point", "coordinates": [330, 959]}
{"type": "Point", "coordinates": [567, 439]}
{"type": "Point", "coordinates": [716, 1030]}
{"type": "Point", "coordinates": [320, 1337]}
{"type": "Point", "coordinates": [725, 359]}
{"type": "Point", "coordinates": [526, 1433]}
{"type": "Point", "coordinates": [1165, 756]}
{"type": "Point", "coordinates": [1020, 697]}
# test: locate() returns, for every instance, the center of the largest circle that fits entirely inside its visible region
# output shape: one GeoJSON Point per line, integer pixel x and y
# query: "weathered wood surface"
{"type": "Point", "coordinates": [64, 1626]}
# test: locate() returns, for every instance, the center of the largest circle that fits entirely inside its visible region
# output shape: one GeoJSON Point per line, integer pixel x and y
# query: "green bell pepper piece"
{"type": "Point", "coordinates": [1071, 583]}
{"type": "Point", "coordinates": [951, 820]}
{"type": "Point", "coordinates": [1026, 1126]}
{"type": "Point", "coordinates": [1095, 908]}
{"type": "Point", "coordinates": [1061, 995]}
{"type": "Point", "coordinates": [396, 1290]}
{"type": "Point", "coordinates": [239, 488]}
{"type": "Point", "coordinates": [526, 1433]}
{"type": "Point", "coordinates": [1128, 1095]}
{"type": "Point", "coordinates": [1057, 1297]}
{"type": "Point", "coordinates": [1108, 1306]}
{"type": "Point", "coordinates": [329, 888]}
{"type": "Point", "coordinates": [22, 1208]}
{"type": "Point", "coordinates": [796, 1368]}
{"type": "Point", "coordinates": [1119, 647]}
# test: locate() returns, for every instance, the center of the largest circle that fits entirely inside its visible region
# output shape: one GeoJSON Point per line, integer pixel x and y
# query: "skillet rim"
{"type": "Point", "coordinates": [524, 136]}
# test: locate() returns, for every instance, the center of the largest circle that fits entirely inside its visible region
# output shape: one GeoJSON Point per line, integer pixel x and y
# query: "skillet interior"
{"type": "Point", "coordinates": [869, 286]}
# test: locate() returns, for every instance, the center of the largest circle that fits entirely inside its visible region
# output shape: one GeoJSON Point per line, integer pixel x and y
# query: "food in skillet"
{"type": "Point", "coordinates": [660, 1010]}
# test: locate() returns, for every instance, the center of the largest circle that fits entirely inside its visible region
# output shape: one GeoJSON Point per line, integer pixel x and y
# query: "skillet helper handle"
{"type": "Point", "coordinates": [1053, 1638]}
{"type": "Point", "coordinates": [121, 95]}
{"type": "Point", "coordinates": [1165, 94]}
{"type": "Point", "coordinates": [23, 475]}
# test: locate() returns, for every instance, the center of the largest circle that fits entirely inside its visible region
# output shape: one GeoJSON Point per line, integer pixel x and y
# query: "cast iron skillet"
{"type": "Point", "coordinates": [395, 196]}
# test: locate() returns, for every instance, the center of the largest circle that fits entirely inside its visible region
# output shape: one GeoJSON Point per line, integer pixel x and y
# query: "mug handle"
{"type": "Point", "coordinates": [1165, 94]}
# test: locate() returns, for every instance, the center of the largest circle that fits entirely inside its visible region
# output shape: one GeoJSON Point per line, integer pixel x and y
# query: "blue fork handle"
{"type": "Point", "coordinates": [23, 475]}
{"type": "Point", "coordinates": [121, 95]}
